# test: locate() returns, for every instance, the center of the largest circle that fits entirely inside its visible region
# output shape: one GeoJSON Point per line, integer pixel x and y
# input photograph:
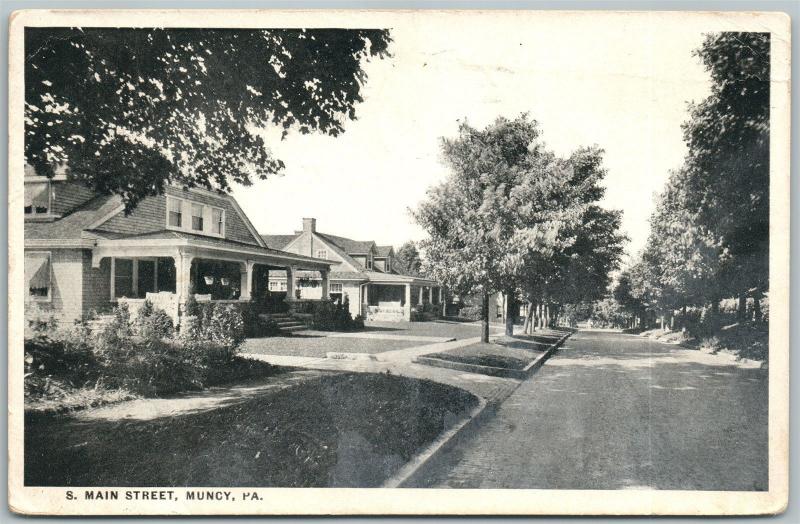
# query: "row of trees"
{"type": "Point", "coordinates": [514, 218]}
{"type": "Point", "coordinates": [709, 236]}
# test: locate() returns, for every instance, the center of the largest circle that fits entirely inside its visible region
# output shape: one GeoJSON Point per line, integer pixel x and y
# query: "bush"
{"type": "Point", "coordinates": [711, 343]}
{"type": "Point", "coordinates": [153, 323]}
{"type": "Point", "coordinates": [38, 321]}
{"type": "Point", "coordinates": [327, 316]}
{"type": "Point", "coordinates": [470, 312]}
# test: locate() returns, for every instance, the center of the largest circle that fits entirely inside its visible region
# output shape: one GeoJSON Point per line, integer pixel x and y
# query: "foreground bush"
{"type": "Point", "coordinates": [144, 356]}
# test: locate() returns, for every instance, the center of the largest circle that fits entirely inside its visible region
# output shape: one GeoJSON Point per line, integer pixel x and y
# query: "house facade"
{"type": "Point", "coordinates": [84, 254]}
{"type": "Point", "coordinates": [363, 274]}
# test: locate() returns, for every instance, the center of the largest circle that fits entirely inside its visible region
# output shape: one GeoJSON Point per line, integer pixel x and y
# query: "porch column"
{"type": "Point", "coordinates": [290, 273]}
{"type": "Point", "coordinates": [430, 295]}
{"type": "Point", "coordinates": [441, 302]}
{"type": "Point", "coordinates": [407, 308]}
{"type": "Point", "coordinates": [421, 292]}
{"type": "Point", "coordinates": [324, 284]}
{"type": "Point", "coordinates": [183, 280]}
{"type": "Point", "coordinates": [246, 280]}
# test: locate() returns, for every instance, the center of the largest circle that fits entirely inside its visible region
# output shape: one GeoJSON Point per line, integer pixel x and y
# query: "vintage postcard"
{"type": "Point", "coordinates": [398, 262]}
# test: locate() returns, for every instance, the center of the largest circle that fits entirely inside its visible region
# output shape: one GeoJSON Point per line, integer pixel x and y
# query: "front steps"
{"type": "Point", "coordinates": [286, 322]}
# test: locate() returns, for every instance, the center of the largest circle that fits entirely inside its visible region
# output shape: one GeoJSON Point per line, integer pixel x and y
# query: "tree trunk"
{"type": "Point", "coordinates": [485, 318]}
{"type": "Point", "coordinates": [714, 320]}
{"type": "Point", "coordinates": [511, 302]}
{"type": "Point", "coordinates": [683, 318]}
{"type": "Point", "coordinates": [547, 315]}
{"type": "Point", "coordinates": [529, 319]}
{"type": "Point", "coordinates": [661, 322]}
{"type": "Point", "coordinates": [741, 310]}
{"type": "Point", "coordinates": [672, 320]}
{"type": "Point", "coordinates": [757, 306]}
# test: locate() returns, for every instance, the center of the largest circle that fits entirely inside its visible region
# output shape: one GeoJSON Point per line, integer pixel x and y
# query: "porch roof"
{"type": "Point", "coordinates": [110, 243]}
{"type": "Point", "coordinates": [393, 278]}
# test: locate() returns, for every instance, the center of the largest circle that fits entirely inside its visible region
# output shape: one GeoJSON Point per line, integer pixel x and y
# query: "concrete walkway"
{"type": "Point", "coordinates": [400, 362]}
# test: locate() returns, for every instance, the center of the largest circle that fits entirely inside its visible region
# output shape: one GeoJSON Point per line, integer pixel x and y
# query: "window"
{"type": "Point", "coordinates": [123, 278]}
{"type": "Point", "coordinates": [204, 219]}
{"type": "Point", "coordinates": [388, 264]}
{"type": "Point", "coordinates": [37, 275]}
{"type": "Point", "coordinates": [197, 217]}
{"type": "Point", "coordinates": [276, 285]}
{"type": "Point", "coordinates": [369, 262]}
{"type": "Point", "coordinates": [37, 198]}
{"type": "Point", "coordinates": [335, 293]}
{"type": "Point", "coordinates": [218, 223]}
{"type": "Point", "coordinates": [322, 253]}
{"type": "Point", "coordinates": [175, 215]}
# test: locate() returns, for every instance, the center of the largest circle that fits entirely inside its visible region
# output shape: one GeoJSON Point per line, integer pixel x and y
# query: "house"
{"type": "Point", "coordinates": [362, 273]}
{"type": "Point", "coordinates": [83, 253]}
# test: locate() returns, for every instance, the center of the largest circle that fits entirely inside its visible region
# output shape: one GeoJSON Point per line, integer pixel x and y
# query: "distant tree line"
{"type": "Point", "coordinates": [709, 239]}
{"type": "Point", "coordinates": [514, 218]}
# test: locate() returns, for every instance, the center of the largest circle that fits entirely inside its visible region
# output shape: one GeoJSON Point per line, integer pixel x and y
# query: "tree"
{"type": "Point", "coordinates": [728, 159]}
{"type": "Point", "coordinates": [500, 208]}
{"type": "Point", "coordinates": [408, 260]}
{"type": "Point", "coordinates": [587, 251]}
{"type": "Point", "coordinates": [130, 110]}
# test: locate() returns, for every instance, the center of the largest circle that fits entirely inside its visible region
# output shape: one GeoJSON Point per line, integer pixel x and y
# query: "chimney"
{"type": "Point", "coordinates": [309, 225]}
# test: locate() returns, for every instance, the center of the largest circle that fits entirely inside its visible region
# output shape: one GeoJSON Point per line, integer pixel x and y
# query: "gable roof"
{"type": "Point", "coordinates": [72, 225]}
{"type": "Point", "coordinates": [348, 245]}
{"type": "Point", "coordinates": [384, 251]}
{"type": "Point", "coordinates": [278, 241]}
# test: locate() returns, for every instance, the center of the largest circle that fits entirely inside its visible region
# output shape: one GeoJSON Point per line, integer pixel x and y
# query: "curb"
{"type": "Point", "coordinates": [519, 374]}
{"type": "Point", "coordinates": [413, 471]}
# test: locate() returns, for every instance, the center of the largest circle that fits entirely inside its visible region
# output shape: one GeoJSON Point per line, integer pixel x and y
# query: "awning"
{"type": "Point", "coordinates": [37, 194]}
{"type": "Point", "coordinates": [37, 270]}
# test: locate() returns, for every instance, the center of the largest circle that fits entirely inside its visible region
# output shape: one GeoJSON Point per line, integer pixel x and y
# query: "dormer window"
{"type": "Point", "coordinates": [369, 262]}
{"type": "Point", "coordinates": [37, 198]}
{"type": "Point", "coordinates": [203, 218]}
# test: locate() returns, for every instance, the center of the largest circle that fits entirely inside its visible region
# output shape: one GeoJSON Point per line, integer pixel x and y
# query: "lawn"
{"type": "Point", "coordinates": [343, 430]}
{"type": "Point", "coordinates": [435, 328]}
{"type": "Point", "coordinates": [301, 345]}
{"type": "Point", "coordinates": [494, 355]}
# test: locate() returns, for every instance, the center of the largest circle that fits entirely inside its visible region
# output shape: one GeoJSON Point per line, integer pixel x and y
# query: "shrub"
{"type": "Point", "coordinates": [470, 312]}
{"type": "Point", "coordinates": [224, 325]}
{"type": "Point", "coordinates": [327, 316]}
{"type": "Point", "coordinates": [38, 321]}
{"type": "Point", "coordinates": [711, 343]}
{"type": "Point", "coordinates": [153, 323]}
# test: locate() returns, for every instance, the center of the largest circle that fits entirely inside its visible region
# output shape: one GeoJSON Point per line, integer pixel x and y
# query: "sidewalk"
{"type": "Point", "coordinates": [399, 362]}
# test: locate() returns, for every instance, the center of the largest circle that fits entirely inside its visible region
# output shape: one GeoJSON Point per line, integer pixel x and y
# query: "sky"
{"type": "Point", "coordinates": [612, 82]}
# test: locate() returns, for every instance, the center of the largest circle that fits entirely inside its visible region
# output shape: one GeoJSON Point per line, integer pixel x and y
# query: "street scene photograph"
{"type": "Point", "coordinates": [482, 254]}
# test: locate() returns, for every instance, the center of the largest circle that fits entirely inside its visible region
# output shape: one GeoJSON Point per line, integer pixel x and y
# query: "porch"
{"type": "Point", "coordinates": [396, 302]}
{"type": "Point", "coordinates": [167, 274]}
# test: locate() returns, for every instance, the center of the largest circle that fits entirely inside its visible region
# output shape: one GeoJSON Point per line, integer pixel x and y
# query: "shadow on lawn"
{"type": "Point", "coordinates": [351, 430]}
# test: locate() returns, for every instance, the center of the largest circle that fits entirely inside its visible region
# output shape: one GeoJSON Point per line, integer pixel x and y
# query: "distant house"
{"type": "Point", "coordinates": [83, 253]}
{"type": "Point", "coordinates": [362, 273]}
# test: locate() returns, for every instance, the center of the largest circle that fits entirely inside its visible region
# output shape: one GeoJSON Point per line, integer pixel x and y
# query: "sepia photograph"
{"type": "Point", "coordinates": [523, 262]}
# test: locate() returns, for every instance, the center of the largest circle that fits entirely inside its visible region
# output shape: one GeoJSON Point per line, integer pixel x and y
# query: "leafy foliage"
{"type": "Point", "coordinates": [408, 260]}
{"type": "Point", "coordinates": [129, 110]}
